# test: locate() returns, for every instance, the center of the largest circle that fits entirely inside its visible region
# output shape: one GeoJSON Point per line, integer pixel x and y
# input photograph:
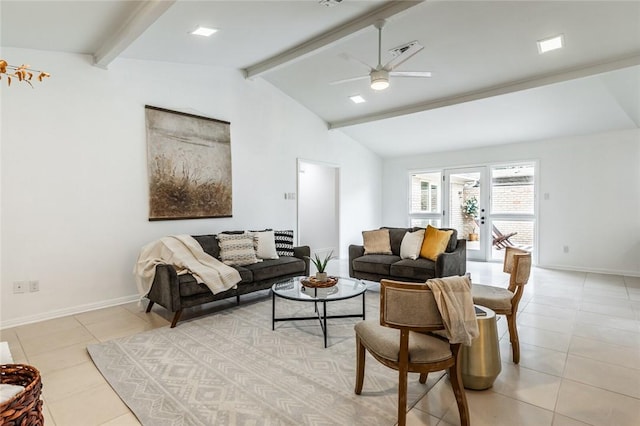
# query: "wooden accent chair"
{"type": "Point", "coordinates": [504, 301]}
{"type": "Point", "coordinates": [401, 342]}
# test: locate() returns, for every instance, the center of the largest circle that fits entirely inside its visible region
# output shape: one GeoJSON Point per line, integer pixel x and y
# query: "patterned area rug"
{"type": "Point", "coordinates": [230, 368]}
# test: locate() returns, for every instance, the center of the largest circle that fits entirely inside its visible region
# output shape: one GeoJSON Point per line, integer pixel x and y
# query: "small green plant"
{"type": "Point", "coordinates": [470, 207]}
{"type": "Point", "coordinates": [321, 264]}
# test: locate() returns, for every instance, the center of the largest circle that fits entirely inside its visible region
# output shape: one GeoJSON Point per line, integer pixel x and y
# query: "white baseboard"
{"type": "Point", "coordinates": [43, 316]}
{"type": "Point", "coordinates": [590, 270]}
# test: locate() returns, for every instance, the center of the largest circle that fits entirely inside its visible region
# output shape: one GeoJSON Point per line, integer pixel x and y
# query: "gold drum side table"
{"type": "Point", "coordinates": [481, 361]}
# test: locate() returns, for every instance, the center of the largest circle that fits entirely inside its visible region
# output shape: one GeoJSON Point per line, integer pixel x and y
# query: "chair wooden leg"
{"type": "Point", "coordinates": [513, 337]}
{"type": "Point", "coordinates": [455, 376]}
{"type": "Point", "coordinates": [403, 372]}
{"type": "Point", "coordinates": [360, 358]}
{"type": "Point", "coordinates": [176, 318]}
{"type": "Point", "coordinates": [149, 306]}
{"type": "Point", "coordinates": [423, 378]}
{"type": "Point", "coordinates": [402, 396]}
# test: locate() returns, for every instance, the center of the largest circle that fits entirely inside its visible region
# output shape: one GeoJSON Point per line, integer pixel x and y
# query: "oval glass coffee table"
{"type": "Point", "coordinates": [293, 289]}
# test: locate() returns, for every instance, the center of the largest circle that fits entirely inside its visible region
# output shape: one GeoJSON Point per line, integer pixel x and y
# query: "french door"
{"type": "Point", "coordinates": [466, 201]}
{"type": "Point", "coordinates": [492, 206]}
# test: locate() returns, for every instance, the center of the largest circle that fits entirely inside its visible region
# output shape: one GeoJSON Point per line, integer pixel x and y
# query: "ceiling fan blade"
{"type": "Point", "coordinates": [350, 58]}
{"type": "Point", "coordinates": [403, 57]}
{"type": "Point", "coordinates": [422, 74]}
{"type": "Point", "coordinates": [346, 80]}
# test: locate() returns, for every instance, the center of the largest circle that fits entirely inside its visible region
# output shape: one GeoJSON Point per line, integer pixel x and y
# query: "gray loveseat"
{"type": "Point", "coordinates": [177, 292]}
{"type": "Point", "coordinates": [374, 267]}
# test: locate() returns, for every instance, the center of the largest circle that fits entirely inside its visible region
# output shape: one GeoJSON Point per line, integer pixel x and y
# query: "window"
{"type": "Point", "coordinates": [426, 194]}
{"type": "Point", "coordinates": [513, 206]}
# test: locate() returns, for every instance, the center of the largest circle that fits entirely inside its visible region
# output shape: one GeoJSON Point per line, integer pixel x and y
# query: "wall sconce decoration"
{"type": "Point", "coordinates": [22, 73]}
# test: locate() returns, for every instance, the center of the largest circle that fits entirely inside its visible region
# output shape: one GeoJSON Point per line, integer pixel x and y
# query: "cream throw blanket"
{"type": "Point", "coordinates": [187, 256]}
{"type": "Point", "coordinates": [453, 297]}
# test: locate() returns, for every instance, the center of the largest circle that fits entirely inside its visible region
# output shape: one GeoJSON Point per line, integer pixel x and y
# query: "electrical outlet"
{"type": "Point", "coordinates": [34, 286]}
{"type": "Point", "coordinates": [19, 287]}
{"type": "Point", "coordinates": [565, 249]}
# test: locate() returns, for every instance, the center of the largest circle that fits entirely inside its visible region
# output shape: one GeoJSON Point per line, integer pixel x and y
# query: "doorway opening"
{"type": "Point", "coordinates": [319, 207]}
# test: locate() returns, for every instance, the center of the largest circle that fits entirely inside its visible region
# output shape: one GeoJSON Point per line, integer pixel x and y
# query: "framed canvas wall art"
{"type": "Point", "coordinates": [189, 165]}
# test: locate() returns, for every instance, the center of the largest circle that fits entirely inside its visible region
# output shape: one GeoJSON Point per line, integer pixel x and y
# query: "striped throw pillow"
{"type": "Point", "coordinates": [284, 242]}
{"type": "Point", "coordinates": [237, 249]}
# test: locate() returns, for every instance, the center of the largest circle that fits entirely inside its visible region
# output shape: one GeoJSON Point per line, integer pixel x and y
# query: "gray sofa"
{"type": "Point", "coordinates": [177, 292]}
{"type": "Point", "coordinates": [374, 267]}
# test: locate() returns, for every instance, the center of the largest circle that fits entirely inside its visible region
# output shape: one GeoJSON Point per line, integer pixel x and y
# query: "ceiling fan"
{"type": "Point", "coordinates": [380, 74]}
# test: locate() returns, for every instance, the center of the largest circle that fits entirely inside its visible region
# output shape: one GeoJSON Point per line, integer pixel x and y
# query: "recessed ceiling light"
{"type": "Point", "coordinates": [357, 99]}
{"type": "Point", "coordinates": [203, 31]}
{"type": "Point", "coordinates": [552, 43]}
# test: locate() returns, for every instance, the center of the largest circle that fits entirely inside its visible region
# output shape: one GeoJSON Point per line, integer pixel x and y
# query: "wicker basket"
{"type": "Point", "coordinates": [25, 408]}
{"type": "Point", "coordinates": [312, 282]}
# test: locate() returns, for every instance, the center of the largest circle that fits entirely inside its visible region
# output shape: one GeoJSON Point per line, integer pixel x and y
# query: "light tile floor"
{"type": "Point", "coordinates": [580, 357]}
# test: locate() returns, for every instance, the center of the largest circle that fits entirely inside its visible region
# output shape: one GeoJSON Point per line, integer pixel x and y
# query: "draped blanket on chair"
{"type": "Point", "coordinates": [186, 255]}
{"type": "Point", "coordinates": [453, 297]}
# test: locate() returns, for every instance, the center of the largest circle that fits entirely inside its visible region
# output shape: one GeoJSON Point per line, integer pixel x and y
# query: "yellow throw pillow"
{"type": "Point", "coordinates": [377, 242]}
{"type": "Point", "coordinates": [434, 243]}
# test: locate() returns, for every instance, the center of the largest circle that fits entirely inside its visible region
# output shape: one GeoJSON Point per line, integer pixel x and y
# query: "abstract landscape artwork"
{"type": "Point", "coordinates": [189, 165]}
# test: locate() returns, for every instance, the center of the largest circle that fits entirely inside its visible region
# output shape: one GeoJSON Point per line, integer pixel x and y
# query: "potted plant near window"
{"type": "Point", "coordinates": [470, 210]}
{"type": "Point", "coordinates": [321, 265]}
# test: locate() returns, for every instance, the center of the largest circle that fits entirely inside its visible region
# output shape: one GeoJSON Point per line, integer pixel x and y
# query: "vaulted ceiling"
{"type": "Point", "coordinates": [489, 84]}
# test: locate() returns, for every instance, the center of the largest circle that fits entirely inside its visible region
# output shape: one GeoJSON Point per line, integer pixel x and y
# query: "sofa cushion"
{"type": "Point", "coordinates": [376, 242]}
{"type": "Point", "coordinates": [453, 240]}
{"type": "Point", "coordinates": [188, 286]}
{"type": "Point", "coordinates": [395, 238]}
{"type": "Point", "coordinates": [435, 242]}
{"type": "Point", "coordinates": [209, 244]}
{"type": "Point", "coordinates": [375, 263]}
{"type": "Point", "coordinates": [273, 268]}
{"type": "Point", "coordinates": [415, 270]}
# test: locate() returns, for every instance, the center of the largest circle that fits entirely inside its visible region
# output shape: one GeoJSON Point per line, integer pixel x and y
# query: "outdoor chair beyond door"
{"type": "Point", "coordinates": [504, 301]}
{"type": "Point", "coordinates": [401, 342]}
{"type": "Point", "coordinates": [501, 240]}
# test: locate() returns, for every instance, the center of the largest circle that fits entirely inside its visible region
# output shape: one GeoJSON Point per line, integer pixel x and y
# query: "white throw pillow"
{"type": "Point", "coordinates": [264, 243]}
{"type": "Point", "coordinates": [411, 244]}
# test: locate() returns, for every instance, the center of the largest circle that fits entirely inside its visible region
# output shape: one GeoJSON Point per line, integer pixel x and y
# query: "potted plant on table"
{"type": "Point", "coordinates": [321, 265]}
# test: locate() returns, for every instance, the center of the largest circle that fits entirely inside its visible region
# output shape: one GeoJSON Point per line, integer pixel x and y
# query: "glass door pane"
{"type": "Point", "coordinates": [512, 207]}
{"type": "Point", "coordinates": [465, 211]}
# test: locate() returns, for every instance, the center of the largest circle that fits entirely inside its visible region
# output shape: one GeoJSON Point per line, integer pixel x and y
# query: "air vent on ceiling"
{"type": "Point", "coordinates": [397, 51]}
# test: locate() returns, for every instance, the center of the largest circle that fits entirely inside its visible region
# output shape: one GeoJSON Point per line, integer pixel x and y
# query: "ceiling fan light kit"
{"type": "Point", "coordinates": [379, 79]}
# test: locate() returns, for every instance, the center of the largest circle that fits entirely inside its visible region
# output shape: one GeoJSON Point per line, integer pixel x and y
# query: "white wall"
{"type": "Point", "coordinates": [593, 184]}
{"type": "Point", "coordinates": [74, 181]}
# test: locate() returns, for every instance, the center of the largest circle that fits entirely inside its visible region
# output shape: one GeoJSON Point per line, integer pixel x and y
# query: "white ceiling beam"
{"type": "Point", "coordinates": [145, 14]}
{"type": "Point", "coordinates": [329, 38]}
{"type": "Point", "coordinates": [510, 87]}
